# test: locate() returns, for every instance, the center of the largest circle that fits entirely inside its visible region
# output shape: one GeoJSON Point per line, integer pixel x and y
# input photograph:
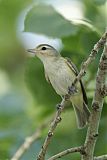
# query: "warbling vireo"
{"type": "Point", "coordinates": [61, 72]}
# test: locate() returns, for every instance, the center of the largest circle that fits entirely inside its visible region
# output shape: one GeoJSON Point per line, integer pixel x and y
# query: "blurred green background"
{"type": "Point", "coordinates": [26, 99]}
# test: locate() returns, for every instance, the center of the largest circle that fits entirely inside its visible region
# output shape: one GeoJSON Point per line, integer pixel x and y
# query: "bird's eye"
{"type": "Point", "coordinates": [43, 48]}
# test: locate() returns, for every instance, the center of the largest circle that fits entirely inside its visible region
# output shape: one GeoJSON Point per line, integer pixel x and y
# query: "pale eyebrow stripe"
{"type": "Point", "coordinates": [45, 45]}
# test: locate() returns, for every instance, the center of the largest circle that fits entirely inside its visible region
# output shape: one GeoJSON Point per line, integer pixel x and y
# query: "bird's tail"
{"type": "Point", "coordinates": [82, 116]}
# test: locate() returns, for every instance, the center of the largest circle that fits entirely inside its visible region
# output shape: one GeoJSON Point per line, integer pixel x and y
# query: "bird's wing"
{"type": "Point", "coordinates": [75, 70]}
{"type": "Point", "coordinates": [72, 66]}
{"type": "Point", "coordinates": [47, 78]}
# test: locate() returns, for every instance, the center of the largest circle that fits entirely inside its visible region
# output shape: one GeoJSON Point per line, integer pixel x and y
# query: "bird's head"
{"type": "Point", "coordinates": [44, 52]}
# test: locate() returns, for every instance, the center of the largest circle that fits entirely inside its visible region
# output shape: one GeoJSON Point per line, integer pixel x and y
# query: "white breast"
{"type": "Point", "coordinates": [60, 75]}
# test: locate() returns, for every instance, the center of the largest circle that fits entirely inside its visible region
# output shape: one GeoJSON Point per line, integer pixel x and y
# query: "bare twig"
{"type": "Point", "coordinates": [103, 157]}
{"type": "Point", "coordinates": [97, 106]}
{"type": "Point", "coordinates": [82, 72]}
{"type": "Point", "coordinates": [91, 57]}
{"type": "Point", "coordinates": [53, 125]}
{"type": "Point", "coordinates": [65, 152]}
{"type": "Point", "coordinates": [104, 91]}
{"type": "Point", "coordinates": [28, 142]}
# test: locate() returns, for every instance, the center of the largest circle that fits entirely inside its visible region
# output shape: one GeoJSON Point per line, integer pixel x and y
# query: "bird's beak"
{"type": "Point", "coordinates": [32, 51]}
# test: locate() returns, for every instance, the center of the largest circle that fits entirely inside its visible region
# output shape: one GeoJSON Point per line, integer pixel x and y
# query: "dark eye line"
{"type": "Point", "coordinates": [44, 48]}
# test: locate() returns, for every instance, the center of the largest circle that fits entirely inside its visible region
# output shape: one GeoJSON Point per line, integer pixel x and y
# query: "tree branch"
{"type": "Point", "coordinates": [28, 142]}
{"type": "Point", "coordinates": [53, 125]}
{"type": "Point", "coordinates": [57, 118]}
{"type": "Point", "coordinates": [103, 157]}
{"type": "Point", "coordinates": [65, 152]}
{"type": "Point", "coordinates": [97, 106]}
{"type": "Point", "coordinates": [91, 57]}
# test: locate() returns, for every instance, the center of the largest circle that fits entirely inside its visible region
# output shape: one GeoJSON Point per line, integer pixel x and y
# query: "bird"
{"type": "Point", "coordinates": [60, 72]}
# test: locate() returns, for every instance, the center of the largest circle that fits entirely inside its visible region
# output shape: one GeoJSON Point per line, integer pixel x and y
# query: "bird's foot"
{"type": "Point", "coordinates": [67, 97]}
{"type": "Point", "coordinates": [72, 90]}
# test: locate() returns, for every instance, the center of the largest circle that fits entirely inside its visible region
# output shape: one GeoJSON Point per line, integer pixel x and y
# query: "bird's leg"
{"type": "Point", "coordinates": [67, 97]}
{"type": "Point", "coordinates": [72, 90]}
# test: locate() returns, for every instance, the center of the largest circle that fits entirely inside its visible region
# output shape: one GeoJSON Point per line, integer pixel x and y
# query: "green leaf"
{"type": "Point", "coordinates": [11, 51]}
{"type": "Point", "coordinates": [100, 2]}
{"type": "Point", "coordinates": [96, 14]}
{"type": "Point", "coordinates": [45, 20]}
{"type": "Point", "coordinates": [79, 45]}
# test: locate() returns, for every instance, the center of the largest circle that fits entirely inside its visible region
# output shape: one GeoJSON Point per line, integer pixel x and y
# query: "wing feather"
{"type": "Point", "coordinates": [75, 70]}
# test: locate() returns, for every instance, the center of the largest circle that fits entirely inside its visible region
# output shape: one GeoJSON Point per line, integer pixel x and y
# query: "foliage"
{"type": "Point", "coordinates": [26, 99]}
